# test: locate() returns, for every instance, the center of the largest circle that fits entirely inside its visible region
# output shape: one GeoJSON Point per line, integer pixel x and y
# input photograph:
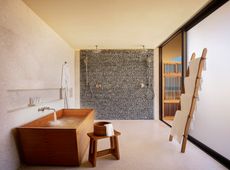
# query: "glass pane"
{"type": "Point", "coordinates": [172, 75]}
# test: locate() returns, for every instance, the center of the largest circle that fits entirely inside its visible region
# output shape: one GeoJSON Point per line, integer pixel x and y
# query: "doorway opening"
{"type": "Point", "coordinates": [171, 76]}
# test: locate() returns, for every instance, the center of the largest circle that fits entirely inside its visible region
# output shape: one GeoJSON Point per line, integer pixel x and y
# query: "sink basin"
{"type": "Point", "coordinates": [42, 142]}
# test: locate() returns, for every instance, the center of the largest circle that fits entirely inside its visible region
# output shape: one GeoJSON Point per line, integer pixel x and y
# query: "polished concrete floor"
{"type": "Point", "coordinates": [144, 145]}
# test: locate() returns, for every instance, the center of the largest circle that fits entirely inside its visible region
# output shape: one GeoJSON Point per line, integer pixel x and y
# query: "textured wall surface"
{"type": "Point", "coordinates": [114, 83]}
{"type": "Point", "coordinates": [31, 56]}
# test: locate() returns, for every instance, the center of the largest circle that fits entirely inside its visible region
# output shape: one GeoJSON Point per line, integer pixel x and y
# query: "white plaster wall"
{"type": "Point", "coordinates": [156, 83]}
{"type": "Point", "coordinates": [77, 77]}
{"type": "Point", "coordinates": [212, 118]}
{"type": "Point", "coordinates": [31, 57]}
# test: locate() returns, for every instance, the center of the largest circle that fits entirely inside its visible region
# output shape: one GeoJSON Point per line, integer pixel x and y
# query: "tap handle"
{"type": "Point", "coordinates": [42, 109]}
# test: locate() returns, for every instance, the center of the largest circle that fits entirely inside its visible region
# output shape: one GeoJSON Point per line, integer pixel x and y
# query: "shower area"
{"type": "Point", "coordinates": [118, 84]}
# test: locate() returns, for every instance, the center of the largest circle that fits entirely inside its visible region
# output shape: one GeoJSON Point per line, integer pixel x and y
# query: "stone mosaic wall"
{"type": "Point", "coordinates": [118, 84]}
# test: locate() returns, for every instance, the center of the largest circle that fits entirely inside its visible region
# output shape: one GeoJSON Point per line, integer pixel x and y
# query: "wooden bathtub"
{"type": "Point", "coordinates": [64, 144]}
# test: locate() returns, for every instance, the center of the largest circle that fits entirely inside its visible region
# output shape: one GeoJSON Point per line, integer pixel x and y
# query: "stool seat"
{"type": "Point", "coordinates": [113, 150]}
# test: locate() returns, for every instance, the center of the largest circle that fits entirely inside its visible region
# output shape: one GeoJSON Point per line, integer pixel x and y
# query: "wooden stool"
{"type": "Point", "coordinates": [114, 147]}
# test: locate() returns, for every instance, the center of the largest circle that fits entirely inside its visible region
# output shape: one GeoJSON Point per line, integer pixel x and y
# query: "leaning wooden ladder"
{"type": "Point", "coordinates": [182, 119]}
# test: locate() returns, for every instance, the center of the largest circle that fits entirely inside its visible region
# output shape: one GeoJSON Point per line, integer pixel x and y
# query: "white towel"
{"type": "Point", "coordinates": [109, 129]}
{"type": "Point", "coordinates": [193, 67]}
{"type": "Point", "coordinates": [181, 116]}
{"type": "Point", "coordinates": [186, 101]}
{"type": "Point", "coordinates": [178, 126]}
{"type": "Point", "coordinates": [65, 83]}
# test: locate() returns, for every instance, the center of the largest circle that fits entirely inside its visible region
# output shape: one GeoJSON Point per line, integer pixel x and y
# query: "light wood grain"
{"type": "Point", "coordinates": [201, 65]}
{"type": "Point", "coordinates": [114, 147]}
{"type": "Point", "coordinates": [43, 145]}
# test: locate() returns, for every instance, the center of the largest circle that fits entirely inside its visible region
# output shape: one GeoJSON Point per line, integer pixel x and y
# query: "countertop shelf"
{"type": "Point", "coordinates": [26, 107]}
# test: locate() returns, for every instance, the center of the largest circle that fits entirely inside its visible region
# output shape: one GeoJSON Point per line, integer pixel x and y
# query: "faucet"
{"type": "Point", "coordinates": [42, 109]}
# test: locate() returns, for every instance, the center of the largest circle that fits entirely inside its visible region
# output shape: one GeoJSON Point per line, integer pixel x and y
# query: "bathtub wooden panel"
{"type": "Point", "coordinates": [82, 138]}
{"type": "Point", "coordinates": [41, 145]}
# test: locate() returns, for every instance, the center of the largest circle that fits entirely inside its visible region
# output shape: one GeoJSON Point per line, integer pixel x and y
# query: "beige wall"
{"type": "Point", "coordinates": [77, 77]}
{"type": "Point", "coordinates": [156, 83]}
{"type": "Point", "coordinates": [31, 56]}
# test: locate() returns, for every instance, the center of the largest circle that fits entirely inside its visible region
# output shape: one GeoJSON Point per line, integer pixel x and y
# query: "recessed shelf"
{"type": "Point", "coordinates": [26, 107]}
{"type": "Point", "coordinates": [19, 99]}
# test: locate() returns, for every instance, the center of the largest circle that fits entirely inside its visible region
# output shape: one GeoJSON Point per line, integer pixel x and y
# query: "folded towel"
{"type": "Point", "coordinates": [109, 129]}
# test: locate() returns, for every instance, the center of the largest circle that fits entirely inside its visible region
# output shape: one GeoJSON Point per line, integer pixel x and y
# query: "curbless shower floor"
{"type": "Point", "coordinates": [144, 145]}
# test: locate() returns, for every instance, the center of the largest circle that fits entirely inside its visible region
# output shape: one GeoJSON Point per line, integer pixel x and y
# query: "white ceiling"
{"type": "Point", "coordinates": [115, 24]}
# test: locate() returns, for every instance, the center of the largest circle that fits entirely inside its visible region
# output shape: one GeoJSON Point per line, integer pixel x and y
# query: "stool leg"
{"type": "Point", "coordinates": [117, 154]}
{"type": "Point", "coordinates": [112, 142]}
{"type": "Point", "coordinates": [90, 150]}
{"type": "Point", "coordinates": [94, 153]}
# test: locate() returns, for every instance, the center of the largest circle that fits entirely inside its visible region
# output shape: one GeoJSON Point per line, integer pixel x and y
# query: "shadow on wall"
{"type": "Point", "coordinates": [118, 84]}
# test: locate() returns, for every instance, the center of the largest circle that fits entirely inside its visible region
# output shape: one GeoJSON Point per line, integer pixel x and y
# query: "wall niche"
{"type": "Point", "coordinates": [118, 84]}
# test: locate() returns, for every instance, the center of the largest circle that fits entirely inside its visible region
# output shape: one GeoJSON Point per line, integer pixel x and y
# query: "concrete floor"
{"type": "Point", "coordinates": [144, 145]}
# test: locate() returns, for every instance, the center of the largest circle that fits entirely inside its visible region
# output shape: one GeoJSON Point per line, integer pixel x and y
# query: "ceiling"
{"type": "Point", "coordinates": [115, 24]}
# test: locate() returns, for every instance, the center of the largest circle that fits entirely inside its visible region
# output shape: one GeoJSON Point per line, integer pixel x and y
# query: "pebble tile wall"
{"type": "Point", "coordinates": [118, 84]}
